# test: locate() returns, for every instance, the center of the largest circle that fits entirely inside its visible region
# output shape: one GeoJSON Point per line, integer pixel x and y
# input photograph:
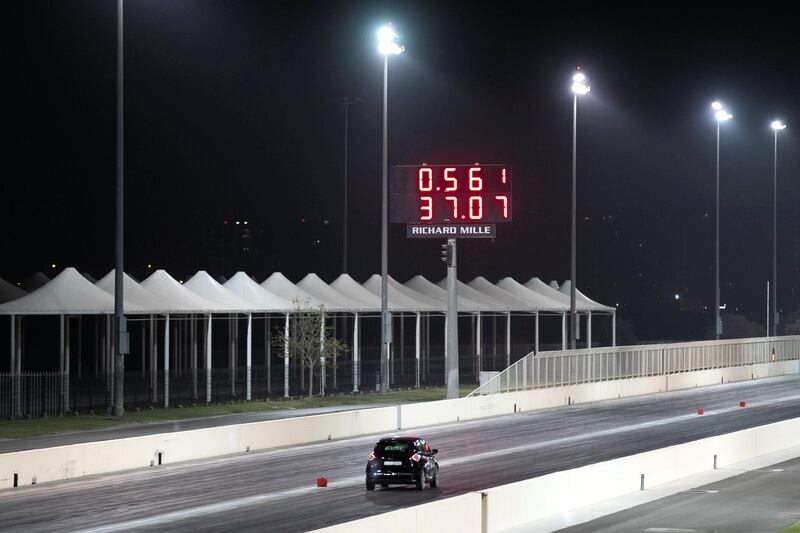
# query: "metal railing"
{"type": "Point", "coordinates": [572, 367]}
{"type": "Point", "coordinates": [30, 394]}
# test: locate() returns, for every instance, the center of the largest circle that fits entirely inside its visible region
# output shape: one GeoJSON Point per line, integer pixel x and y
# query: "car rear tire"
{"type": "Point", "coordinates": [435, 480]}
{"type": "Point", "coordinates": [421, 481]}
{"type": "Point", "coordinates": [370, 485]}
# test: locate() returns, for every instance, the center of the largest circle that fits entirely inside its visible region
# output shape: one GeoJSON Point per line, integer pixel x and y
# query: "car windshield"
{"type": "Point", "coordinates": [393, 449]}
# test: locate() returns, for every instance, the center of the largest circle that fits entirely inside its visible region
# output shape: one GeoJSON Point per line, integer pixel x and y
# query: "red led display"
{"type": "Point", "coordinates": [435, 194]}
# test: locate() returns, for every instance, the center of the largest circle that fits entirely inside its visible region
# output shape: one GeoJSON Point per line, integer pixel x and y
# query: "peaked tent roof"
{"type": "Point", "coordinates": [513, 303]}
{"type": "Point", "coordinates": [355, 291]}
{"type": "Point", "coordinates": [314, 285]}
{"type": "Point", "coordinates": [204, 285]}
{"type": "Point", "coordinates": [35, 281]}
{"type": "Point", "coordinates": [278, 284]}
{"type": "Point", "coordinates": [399, 299]}
{"type": "Point", "coordinates": [493, 304]}
{"type": "Point", "coordinates": [10, 292]}
{"type": "Point", "coordinates": [89, 277]}
{"type": "Point", "coordinates": [416, 295]}
{"type": "Point", "coordinates": [69, 293]}
{"type": "Point", "coordinates": [179, 297]}
{"type": "Point", "coordinates": [134, 293]}
{"type": "Point", "coordinates": [423, 285]}
{"type": "Point", "coordinates": [582, 298]}
{"type": "Point", "coordinates": [537, 285]}
{"type": "Point", "coordinates": [538, 301]}
{"type": "Point", "coordinates": [245, 288]}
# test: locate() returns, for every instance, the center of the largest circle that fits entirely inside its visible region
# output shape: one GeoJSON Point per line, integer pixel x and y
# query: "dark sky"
{"type": "Point", "coordinates": [232, 112]}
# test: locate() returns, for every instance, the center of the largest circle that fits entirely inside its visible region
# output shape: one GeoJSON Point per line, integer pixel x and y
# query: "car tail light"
{"type": "Point", "coordinates": [371, 456]}
{"type": "Point", "coordinates": [416, 457]}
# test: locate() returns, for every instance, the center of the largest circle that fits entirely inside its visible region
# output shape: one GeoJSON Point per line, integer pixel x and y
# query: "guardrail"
{"type": "Point", "coordinates": [572, 367]}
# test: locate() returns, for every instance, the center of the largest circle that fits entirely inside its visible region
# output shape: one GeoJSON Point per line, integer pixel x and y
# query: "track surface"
{"type": "Point", "coordinates": [760, 501]}
{"type": "Point", "coordinates": [275, 490]}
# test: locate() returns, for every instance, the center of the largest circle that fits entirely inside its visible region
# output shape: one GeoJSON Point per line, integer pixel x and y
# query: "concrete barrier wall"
{"type": "Point", "coordinates": [519, 503]}
{"type": "Point", "coordinates": [65, 462]}
{"type": "Point", "coordinates": [446, 411]}
{"type": "Point", "coordinates": [460, 514]}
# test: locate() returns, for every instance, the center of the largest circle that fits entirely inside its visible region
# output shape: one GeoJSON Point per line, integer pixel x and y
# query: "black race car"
{"type": "Point", "coordinates": [402, 461]}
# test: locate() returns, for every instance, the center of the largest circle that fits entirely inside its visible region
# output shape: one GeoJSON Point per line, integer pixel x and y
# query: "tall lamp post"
{"type": "Point", "coordinates": [777, 126]}
{"type": "Point", "coordinates": [387, 45]}
{"type": "Point", "coordinates": [121, 345]}
{"type": "Point", "coordinates": [721, 115]}
{"type": "Point", "coordinates": [579, 87]}
{"type": "Point", "coordinates": [347, 102]}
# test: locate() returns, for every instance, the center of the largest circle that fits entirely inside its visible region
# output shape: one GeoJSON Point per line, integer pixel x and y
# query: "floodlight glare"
{"type": "Point", "coordinates": [387, 41]}
{"type": "Point", "coordinates": [778, 125]}
{"type": "Point", "coordinates": [722, 115]}
{"type": "Point", "coordinates": [716, 106]}
{"type": "Point", "coordinates": [580, 88]}
{"type": "Point", "coordinates": [579, 76]}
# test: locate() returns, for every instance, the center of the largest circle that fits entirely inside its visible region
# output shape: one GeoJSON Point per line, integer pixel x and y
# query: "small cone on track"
{"type": "Point", "coordinates": [742, 404]}
{"type": "Point", "coordinates": [699, 411]}
{"type": "Point", "coordinates": [322, 482]}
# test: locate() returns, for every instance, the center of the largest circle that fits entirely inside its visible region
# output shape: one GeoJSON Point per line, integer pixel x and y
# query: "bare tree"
{"type": "Point", "coordinates": [311, 341]}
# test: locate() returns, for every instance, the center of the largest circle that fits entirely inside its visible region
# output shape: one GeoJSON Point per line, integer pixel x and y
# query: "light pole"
{"type": "Point", "coordinates": [347, 103]}
{"type": "Point", "coordinates": [721, 115]}
{"type": "Point", "coordinates": [121, 347]}
{"type": "Point", "coordinates": [777, 126]}
{"type": "Point", "coordinates": [579, 87]}
{"type": "Point", "coordinates": [387, 45]}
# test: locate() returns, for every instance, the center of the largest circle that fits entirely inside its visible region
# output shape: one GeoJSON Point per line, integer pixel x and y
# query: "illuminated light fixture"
{"type": "Point", "coordinates": [237, 222]}
{"type": "Point", "coordinates": [677, 296]}
{"type": "Point", "coordinates": [53, 265]}
{"type": "Point", "coordinates": [722, 115]}
{"type": "Point", "coordinates": [245, 222]}
{"type": "Point", "coordinates": [778, 125]}
{"type": "Point", "coordinates": [579, 85]}
{"type": "Point", "coordinates": [149, 265]}
{"type": "Point", "coordinates": [716, 106]}
{"type": "Point", "coordinates": [387, 41]}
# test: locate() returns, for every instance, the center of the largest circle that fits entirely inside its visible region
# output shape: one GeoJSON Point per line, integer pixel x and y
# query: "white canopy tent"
{"type": "Point", "coordinates": [313, 285]}
{"type": "Point", "coordinates": [278, 284]}
{"type": "Point", "coordinates": [422, 285]}
{"type": "Point", "coordinates": [589, 306]}
{"type": "Point", "coordinates": [67, 294]}
{"type": "Point", "coordinates": [355, 291]}
{"type": "Point", "coordinates": [246, 288]}
{"type": "Point", "coordinates": [539, 303]}
{"type": "Point", "coordinates": [35, 281]}
{"type": "Point", "coordinates": [10, 292]}
{"type": "Point", "coordinates": [399, 299]}
{"type": "Point", "coordinates": [207, 287]}
{"type": "Point", "coordinates": [70, 293]}
{"type": "Point", "coordinates": [135, 293]}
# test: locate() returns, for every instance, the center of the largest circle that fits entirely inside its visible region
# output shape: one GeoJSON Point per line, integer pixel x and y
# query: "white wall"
{"type": "Point", "coordinates": [445, 411]}
{"type": "Point", "coordinates": [526, 501]}
{"type": "Point", "coordinates": [460, 514]}
{"type": "Point", "coordinates": [64, 462]}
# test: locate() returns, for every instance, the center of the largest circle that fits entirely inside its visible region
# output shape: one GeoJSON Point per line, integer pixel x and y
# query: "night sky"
{"type": "Point", "coordinates": [233, 112]}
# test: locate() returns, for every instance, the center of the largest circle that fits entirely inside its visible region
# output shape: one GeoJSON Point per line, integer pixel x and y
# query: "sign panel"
{"type": "Point", "coordinates": [451, 231]}
{"type": "Point", "coordinates": [450, 194]}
